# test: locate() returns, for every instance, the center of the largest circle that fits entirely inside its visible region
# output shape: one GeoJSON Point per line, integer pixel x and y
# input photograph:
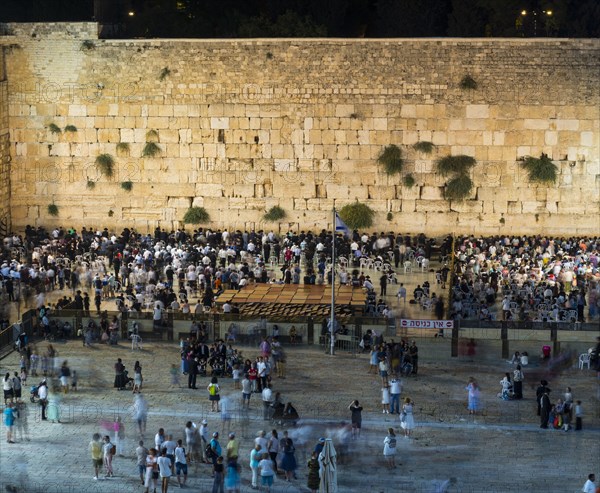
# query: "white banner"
{"type": "Point", "coordinates": [426, 324]}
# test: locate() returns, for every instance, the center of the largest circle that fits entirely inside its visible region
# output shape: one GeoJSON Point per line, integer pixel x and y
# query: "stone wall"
{"type": "Point", "coordinates": [5, 157]}
{"type": "Point", "coordinates": [243, 125]}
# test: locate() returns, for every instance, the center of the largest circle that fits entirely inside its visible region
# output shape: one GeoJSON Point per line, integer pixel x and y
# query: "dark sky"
{"type": "Point", "coordinates": [310, 18]}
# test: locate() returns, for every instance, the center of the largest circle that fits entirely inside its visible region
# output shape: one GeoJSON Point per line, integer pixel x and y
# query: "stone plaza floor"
{"type": "Point", "coordinates": [501, 450]}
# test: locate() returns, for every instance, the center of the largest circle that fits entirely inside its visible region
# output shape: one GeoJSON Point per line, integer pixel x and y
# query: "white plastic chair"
{"type": "Point", "coordinates": [407, 266]}
{"type": "Point", "coordinates": [584, 359]}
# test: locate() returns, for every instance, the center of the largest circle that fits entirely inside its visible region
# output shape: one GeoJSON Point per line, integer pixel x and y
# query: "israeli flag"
{"type": "Point", "coordinates": [340, 226]}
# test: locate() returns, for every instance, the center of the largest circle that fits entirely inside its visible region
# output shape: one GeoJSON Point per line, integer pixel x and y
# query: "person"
{"type": "Point", "coordinates": [119, 375]}
{"type": "Point", "coordinates": [385, 399]}
{"type": "Point", "coordinates": [9, 421]}
{"type": "Point", "coordinates": [191, 432]}
{"type": "Point", "coordinates": [232, 477]}
{"type": "Point", "coordinates": [96, 451]}
{"type": "Point", "coordinates": [65, 373]}
{"type": "Point", "coordinates": [43, 395]}
{"type": "Point", "coordinates": [137, 378]}
{"type": "Point", "coordinates": [151, 470]}
{"type": "Point", "coordinates": [107, 454]}
{"type": "Point", "coordinates": [407, 420]}
{"type": "Point", "coordinates": [395, 391]}
{"type": "Point", "coordinates": [539, 392]}
{"type": "Point", "coordinates": [7, 385]}
{"type": "Point", "coordinates": [119, 430]}
{"type": "Point", "coordinates": [273, 448]}
{"type": "Point", "coordinates": [590, 485]}
{"type": "Point", "coordinates": [473, 396]}
{"type": "Point", "coordinates": [203, 437]}
{"type": "Point", "coordinates": [578, 416]}
{"type": "Point", "coordinates": [181, 463]}
{"type": "Point", "coordinates": [246, 391]}
{"type": "Point", "coordinates": [141, 453]}
{"type": "Point", "coordinates": [288, 462]}
{"type": "Point", "coordinates": [389, 449]}
{"type": "Point", "coordinates": [218, 475]}
{"type": "Point", "coordinates": [413, 350]}
{"type": "Point", "coordinates": [159, 439]}
{"type": "Point", "coordinates": [401, 295]}
{"type": "Point", "coordinates": [266, 472]}
{"type": "Point", "coordinates": [255, 457]}
{"type": "Point", "coordinates": [215, 447]}
{"type": "Point", "coordinates": [506, 384]}
{"type": "Point", "coordinates": [140, 413]}
{"type": "Point", "coordinates": [544, 408]}
{"type": "Point", "coordinates": [267, 398]}
{"type": "Point", "coordinates": [53, 407]}
{"type": "Point", "coordinates": [313, 479]}
{"type": "Point", "coordinates": [232, 449]}
{"type": "Point", "coordinates": [213, 394]}
{"type": "Point", "coordinates": [356, 411]}
{"type": "Point", "coordinates": [164, 470]}
{"type": "Point", "coordinates": [518, 383]}
{"type": "Point", "coordinates": [169, 445]}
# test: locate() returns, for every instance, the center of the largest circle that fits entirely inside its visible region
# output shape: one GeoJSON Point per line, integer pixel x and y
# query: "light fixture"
{"type": "Point", "coordinates": [131, 13]}
{"type": "Point", "coordinates": [548, 12]}
{"type": "Point", "coordinates": [523, 12]}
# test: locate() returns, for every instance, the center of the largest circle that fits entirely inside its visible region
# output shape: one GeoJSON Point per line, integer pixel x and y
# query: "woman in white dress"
{"type": "Point", "coordinates": [407, 421]}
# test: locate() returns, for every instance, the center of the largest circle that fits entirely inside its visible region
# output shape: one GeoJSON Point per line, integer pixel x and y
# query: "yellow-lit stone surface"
{"type": "Point", "coordinates": [243, 125]}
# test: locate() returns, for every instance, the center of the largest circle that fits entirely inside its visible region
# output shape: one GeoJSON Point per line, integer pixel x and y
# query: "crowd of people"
{"type": "Point", "coordinates": [527, 278]}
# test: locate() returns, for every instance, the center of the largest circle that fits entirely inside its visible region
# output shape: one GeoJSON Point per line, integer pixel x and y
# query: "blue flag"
{"type": "Point", "coordinates": [340, 226]}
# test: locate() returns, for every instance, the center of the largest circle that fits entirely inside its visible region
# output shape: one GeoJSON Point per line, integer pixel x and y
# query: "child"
{"type": "Point", "coordinates": [218, 475]}
{"type": "Point", "coordinates": [385, 399]}
{"type": "Point", "coordinates": [23, 376]}
{"type": "Point", "coordinates": [174, 376]}
{"type": "Point", "coordinates": [578, 416]}
{"type": "Point", "coordinates": [74, 379]}
{"type": "Point", "coordinates": [236, 376]}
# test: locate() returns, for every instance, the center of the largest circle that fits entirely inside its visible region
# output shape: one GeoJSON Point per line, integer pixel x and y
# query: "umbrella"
{"type": "Point", "coordinates": [328, 468]}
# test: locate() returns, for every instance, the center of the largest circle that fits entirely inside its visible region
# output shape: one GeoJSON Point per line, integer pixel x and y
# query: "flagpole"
{"type": "Point", "coordinates": [332, 315]}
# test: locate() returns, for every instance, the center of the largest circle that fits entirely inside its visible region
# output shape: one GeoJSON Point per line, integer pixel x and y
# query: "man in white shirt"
{"type": "Point", "coordinates": [590, 484]}
{"type": "Point", "coordinates": [43, 395]}
{"type": "Point", "coordinates": [227, 307]}
{"type": "Point", "coordinates": [395, 391]}
{"type": "Point", "coordinates": [267, 398]}
{"type": "Point", "coordinates": [180, 463]}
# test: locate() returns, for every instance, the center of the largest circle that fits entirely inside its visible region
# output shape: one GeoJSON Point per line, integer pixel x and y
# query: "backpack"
{"type": "Point", "coordinates": [213, 390]}
{"type": "Point", "coordinates": [392, 442]}
{"type": "Point", "coordinates": [210, 453]}
{"type": "Point", "coordinates": [113, 450]}
{"type": "Point", "coordinates": [558, 422]}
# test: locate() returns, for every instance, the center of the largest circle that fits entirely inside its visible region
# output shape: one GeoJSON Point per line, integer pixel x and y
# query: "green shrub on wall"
{"type": "Point", "coordinates": [71, 128]}
{"type": "Point", "coordinates": [458, 188]}
{"type": "Point", "coordinates": [424, 146]}
{"type": "Point", "coordinates": [540, 170]}
{"type": "Point", "coordinates": [467, 82]}
{"type": "Point", "coordinates": [391, 159]}
{"type": "Point", "coordinates": [196, 215]}
{"type": "Point", "coordinates": [151, 149]}
{"type": "Point", "coordinates": [105, 163]}
{"type": "Point", "coordinates": [53, 209]}
{"type": "Point", "coordinates": [127, 186]}
{"type": "Point", "coordinates": [408, 181]}
{"type": "Point", "coordinates": [455, 165]}
{"type": "Point", "coordinates": [275, 213]}
{"type": "Point", "coordinates": [54, 129]}
{"type": "Point", "coordinates": [357, 215]}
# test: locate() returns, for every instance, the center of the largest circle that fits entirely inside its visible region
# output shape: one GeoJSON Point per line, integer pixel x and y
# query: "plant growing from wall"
{"type": "Point", "coordinates": [151, 136]}
{"type": "Point", "coordinates": [105, 163]}
{"type": "Point", "coordinates": [389, 216]}
{"type": "Point", "coordinates": [408, 181]}
{"type": "Point", "coordinates": [151, 149]}
{"type": "Point", "coordinates": [111, 213]}
{"type": "Point", "coordinates": [467, 82]}
{"type": "Point", "coordinates": [164, 73]}
{"type": "Point", "coordinates": [275, 213]}
{"type": "Point", "coordinates": [53, 210]}
{"type": "Point", "coordinates": [540, 170]}
{"type": "Point", "coordinates": [453, 165]}
{"type": "Point", "coordinates": [458, 188]}
{"type": "Point", "coordinates": [71, 128]}
{"type": "Point", "coordinates": [424, 146]}
{"type": "Point", "coordinates": [91, 185]}
{"type": "Point", "coordinates": [196, 215]}
{"type": "Point", "coordinates": [391, 159]}
{"type": "Point", "coordinates": [123, 147]}
{"type": "Point", "coordinates": [357, 215]}
{"type": "Point", "coordinates": [127, 186]}
{"type": "Point", "coordinates": [54, 129]}
{"type": "Point", "coordinates": [87, 45]}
